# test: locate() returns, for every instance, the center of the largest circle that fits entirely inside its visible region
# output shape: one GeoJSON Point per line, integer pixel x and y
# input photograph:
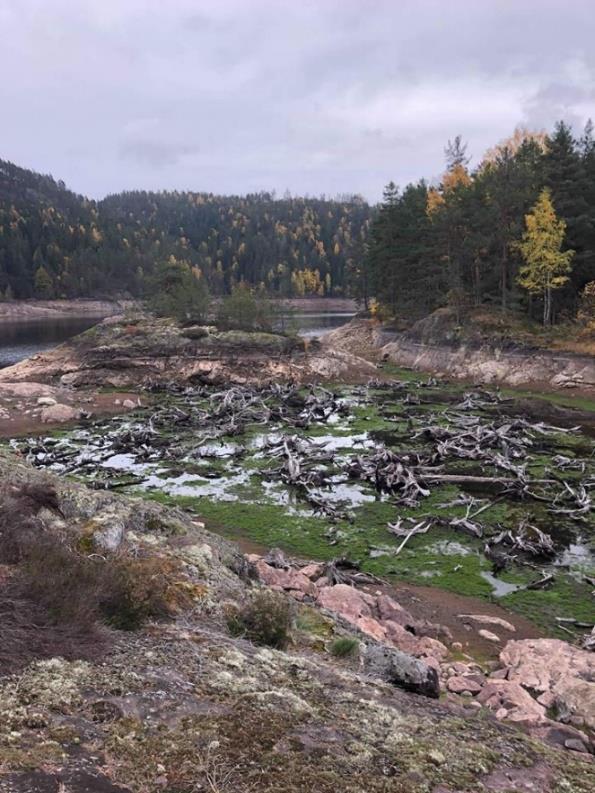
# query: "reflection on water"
{"type": "Point", "coordinates": [314, 324]}
{"type": "Point", "coordinates": [19, 340]}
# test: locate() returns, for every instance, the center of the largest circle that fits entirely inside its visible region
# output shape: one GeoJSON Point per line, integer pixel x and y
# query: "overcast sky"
{"type": "Point", "coordinates": [317, 97]}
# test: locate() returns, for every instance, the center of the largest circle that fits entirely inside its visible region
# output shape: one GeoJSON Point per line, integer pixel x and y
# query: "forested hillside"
{"type": "Point", "coordinates": [54, 243]}
{"type": "Point", "coordinates": [518, 232]}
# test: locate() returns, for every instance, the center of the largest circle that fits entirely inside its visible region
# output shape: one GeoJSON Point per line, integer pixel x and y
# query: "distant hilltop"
{"type": "Point", "coordinates": [56, 244]}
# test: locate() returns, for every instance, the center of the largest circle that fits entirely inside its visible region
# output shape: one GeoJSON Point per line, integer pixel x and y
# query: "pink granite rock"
{"type": "Point", "coordinates": [285, 579]}
{"type": "Point", "coordinates": [312, 571]}
{"type": "Point", "coordinates": [552, 665]}
{"type": "Point", "coordinates": [346, 601]}
{"type": "Point", "coordinates": [459, 683]}
{"type": "Point", "coordinates": [390, 611]}
{"type": "Point", "coordinates": [372, 628]}
{"type": "Point", "coordinates": [518, 705]}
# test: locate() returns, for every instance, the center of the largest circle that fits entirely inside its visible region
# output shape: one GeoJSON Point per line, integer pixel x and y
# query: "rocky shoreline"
{"type": "Point", "coordinates": [35, 310]}
{"type": "Point", "coordinates": [136, 350]}
{"type": "Point", "coordinates": [486, 361]}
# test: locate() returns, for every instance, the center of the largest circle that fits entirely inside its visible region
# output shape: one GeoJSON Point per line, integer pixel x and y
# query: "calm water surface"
{"type": "Point", "coordinates": [315, 324]}
{"type": "Point", "coordinates": [19, 340]}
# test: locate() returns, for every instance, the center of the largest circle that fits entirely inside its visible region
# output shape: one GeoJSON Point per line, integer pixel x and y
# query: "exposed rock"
{"type": "Point", "coordinates": [293, 581]}
{"type": "Point", "coordinates": [106, 531]}
{"type": "Point", "coordinates": [46, 401]}
{"type": "Point", "coordinates": [434, 344]}
{"type": "Point", "coordinates": [512, 702]}
{"type": "Point", "coordinates": [459, 684]}
{"type": "Point", "coordinates": [26, 390]}
{"type": "Point", "coordinates": [371, 627]}
{"type": "Point", "coordinates": [401, 670]}
{"type": "Point", "coordinates": [489, 636]}
{"type": "Point", "coordinates": [178, 702]}
{"type": "Point", "coordinates": [552, 665]}
{"type": "Point", "coordinates": [144, 350]}
{"type": "Point", "coordinates": [487, 619]}
{"type": "Point", "coordinates": [378, 616]}
{"type": "Point", "coordinates": [390, 610]}
{"type": "Point", "coordinates": [345, 600]}
{"type": "Point", "coordinates": [312, 571]}
{"type": "Point", "coordinates": [59, 413]}
{"type": "Point", "coordinates": [575, 745]}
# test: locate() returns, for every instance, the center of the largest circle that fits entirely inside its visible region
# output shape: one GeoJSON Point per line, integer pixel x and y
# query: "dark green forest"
{"type": "Point", "coordinates": [459, 243]}
{"type": "Point", "coordinates": [54, 243]}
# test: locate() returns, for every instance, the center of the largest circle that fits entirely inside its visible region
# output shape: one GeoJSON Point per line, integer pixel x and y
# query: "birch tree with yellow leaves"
{"type": "Point", "coordinates": [546, 265]}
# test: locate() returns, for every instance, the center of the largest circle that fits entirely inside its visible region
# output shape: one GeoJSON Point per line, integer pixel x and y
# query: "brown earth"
{"type": "Point", "coordinates": [22, 415]}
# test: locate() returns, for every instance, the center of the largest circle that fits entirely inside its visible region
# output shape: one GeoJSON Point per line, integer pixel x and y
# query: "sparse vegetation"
{"type": "Point", "coordinates": [264, 619]}
{"type": "Point", "coordinates": [56, 598]}
{"type": "Point", "coordinates": [245, 309]}
{"type": "Point", "coordinates": [344, 647]}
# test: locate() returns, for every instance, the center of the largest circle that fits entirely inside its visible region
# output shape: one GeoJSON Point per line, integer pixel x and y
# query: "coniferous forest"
{"type": "Point", "coordinates": [517, 232]}
{"type": "Point", "coordinates": [54, 243]}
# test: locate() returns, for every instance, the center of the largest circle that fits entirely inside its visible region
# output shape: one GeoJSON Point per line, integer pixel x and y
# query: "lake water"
{"type": "Point", "coordinates": [19, 340]}
{"type": "Point", "coordinates": [315, 324]}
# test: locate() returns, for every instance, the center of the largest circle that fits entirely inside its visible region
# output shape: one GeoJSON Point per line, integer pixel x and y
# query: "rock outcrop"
{"type": "Point", "coordinates": [560, 676]}
{"type": "Point", "coordinates": [431, 345]}
{"type": "Point", "coordinates": [124, 353]}
{"type": "Point", "coordinates": [540, 682]}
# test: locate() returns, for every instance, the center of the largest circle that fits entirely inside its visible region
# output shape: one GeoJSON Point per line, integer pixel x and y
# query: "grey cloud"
{"type": "Point", "coordinates": [155, 153]}
{"type": "Point", "coordinates": [319, 97]}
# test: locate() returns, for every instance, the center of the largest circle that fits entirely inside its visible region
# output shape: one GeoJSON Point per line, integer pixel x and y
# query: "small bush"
{"type": "Point", "coordinates": [77, 589]}
{"type": "Point", "coordinates": [67, 585]}
{"type": "Point", "coordinates": [141, 589]}
{"type": "Point", "coordinates": [264, 619]}
{"type": "Point", "coordinates": [345, 647]}
{"type": "Point", "coordinates": [245, 310]}
{"type": "Point", "coordinates": [20, 525]}
{"type": "Point", "coordinates": [178, 290]}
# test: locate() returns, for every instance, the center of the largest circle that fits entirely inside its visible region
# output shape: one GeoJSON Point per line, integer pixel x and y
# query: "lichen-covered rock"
{"type": "Point", "coordinates": [401, 670]}
{"type": "Point", "coordinates": [126, 354]}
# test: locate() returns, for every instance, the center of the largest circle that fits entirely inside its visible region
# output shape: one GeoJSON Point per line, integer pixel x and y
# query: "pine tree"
{"type": "Point", "coordinates": [546, 265]}
{"type": "Point", "coordinates": [44, 286]}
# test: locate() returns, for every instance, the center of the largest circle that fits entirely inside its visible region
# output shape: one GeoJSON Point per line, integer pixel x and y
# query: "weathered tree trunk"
{"type": "Point", "coordinates": [547, 307]}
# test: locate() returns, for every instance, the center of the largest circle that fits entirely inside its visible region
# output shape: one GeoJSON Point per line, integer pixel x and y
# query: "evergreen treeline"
{"type": "Point", "coordinates": [54, 243]}
{"type": "Point", "coordinates": [469, 242]}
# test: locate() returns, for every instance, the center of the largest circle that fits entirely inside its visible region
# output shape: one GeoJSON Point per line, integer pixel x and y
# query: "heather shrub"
{"type": "Point", "coordinates": [142, 588]}
{"type": "Point", "coordinates": [264, 619]}
{"type": "Point", "coordinates": [57, 600]}
{"type": "Point", "coordinates": [345, 647]}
